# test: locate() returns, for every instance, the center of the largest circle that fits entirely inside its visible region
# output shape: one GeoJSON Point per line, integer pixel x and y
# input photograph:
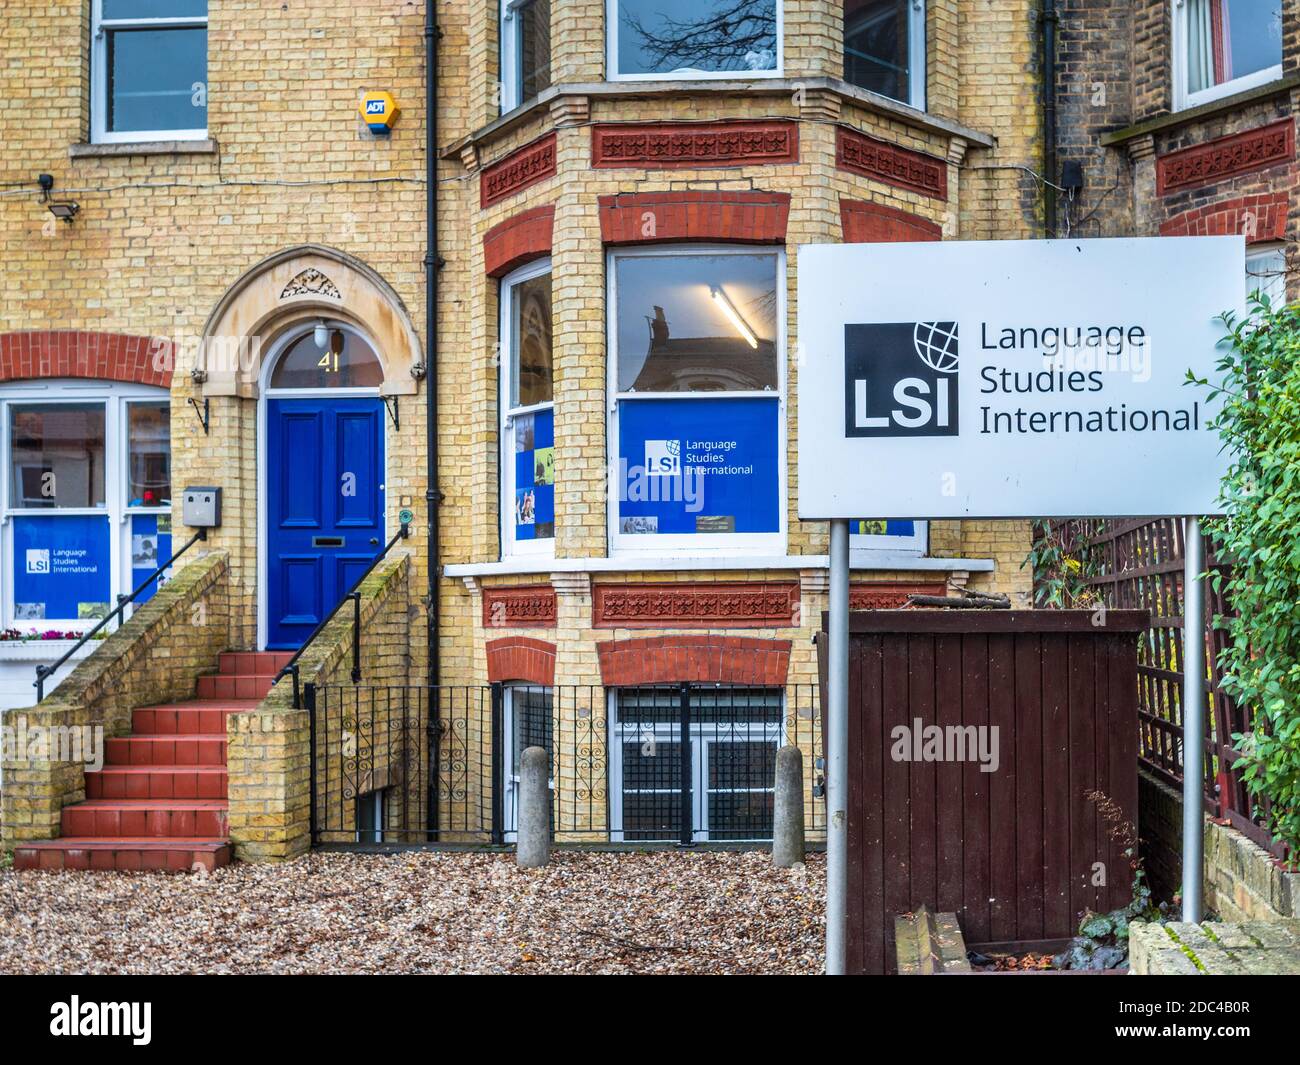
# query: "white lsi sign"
{"type": "Point", "coordinates": [1001, 379]}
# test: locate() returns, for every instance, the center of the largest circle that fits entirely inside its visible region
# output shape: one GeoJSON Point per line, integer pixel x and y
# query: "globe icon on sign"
{"type": "Point", "coordinates": [674, 447]}
{"type": "Point", "coordinates": [936, 344]}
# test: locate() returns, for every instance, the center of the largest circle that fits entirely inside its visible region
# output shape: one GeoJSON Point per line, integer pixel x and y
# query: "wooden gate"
{"type": "Point", "coordinates": [994, 826]}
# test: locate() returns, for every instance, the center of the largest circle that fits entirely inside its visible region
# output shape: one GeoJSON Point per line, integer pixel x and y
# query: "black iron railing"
{"type": "Point", "coordinates": [123, 601]}
{"type": "Point", "coordinates": [414, 764]}
{"type": "Point", "coordinates": [291, 667]}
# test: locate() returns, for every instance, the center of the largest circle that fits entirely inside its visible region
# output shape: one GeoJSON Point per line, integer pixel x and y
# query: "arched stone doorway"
{"type": "Point", "coordinates": [297, 363]}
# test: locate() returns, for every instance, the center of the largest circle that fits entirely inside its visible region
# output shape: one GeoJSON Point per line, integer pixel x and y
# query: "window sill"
{"type": "Point", "coordinates": [109, 151]}
{"type": "Point", "coordinates": [1175, 119]}
{"type": "Point", "coordinates": [858, 560]}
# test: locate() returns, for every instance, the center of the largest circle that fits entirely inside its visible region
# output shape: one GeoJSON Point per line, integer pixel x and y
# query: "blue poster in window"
{"type": "Point", "coordinates": [877, 527]}
{"type": "Point", "coordinates": [699, 466]}
{"type": "Point", "coordinates": [534, 503]}
{"type": "Point", "coordinates": [61, 567]}
{"type": "Point", "coordinates": [151, 546]}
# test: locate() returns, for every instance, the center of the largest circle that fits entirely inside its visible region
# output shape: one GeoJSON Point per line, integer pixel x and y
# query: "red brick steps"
{"type": "Point", "coordinates": [161, 818]}
{"type": "Point", "coordinates": [123, 854]}
{"type": "Point", "coordinates": [160, 800]}
{"type": "Point", "coordinates": [157, 782]}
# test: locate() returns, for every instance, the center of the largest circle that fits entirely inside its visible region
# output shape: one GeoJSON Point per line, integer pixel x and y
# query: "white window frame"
{"type": "Point", "coordinates": [99, 131]}
{"type": "Point", "coordinates": [115, 397]}
{"type": "Point", "coordinates": [702, 735]}
{"type": "Point", "coordinates": [612, 72]}
{"type": "Point", "coordinates": [512, 94]}
{"type": "Point", "coordinates": [1274, 255]}
{"type": "Point", "coordinates": [1183, 99]}
{"type": "Point", "coordinates": [511, 770]}
{"type": "Point", "coordinates": [637, 545]}
{"type": "Point", "coordinates": [916, 56]}
{"type": "Point", "coordinates": [510, 547]}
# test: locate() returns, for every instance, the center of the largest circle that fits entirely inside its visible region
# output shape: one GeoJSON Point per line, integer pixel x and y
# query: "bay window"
{"type": "Point", "coordinates": [884, 48]}
{"type": "Point", "coordinates": [149, 68]}
{"type": "Point", "coordinates": [1221, 47]}
{"type": "Point", "coordinates": [525, 50]}
{"type": "Point", "coordinates": [697, 380]}
{"type": "Point", "coordinates": [527, 413]}
{"type": "Point", "coordinates": [649, 39]}
{"type": "Point", "coordinates": [87, 498]}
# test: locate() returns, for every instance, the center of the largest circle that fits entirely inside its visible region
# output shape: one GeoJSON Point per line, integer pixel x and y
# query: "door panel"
{"type": "Point", "coordinates": [324, 507]}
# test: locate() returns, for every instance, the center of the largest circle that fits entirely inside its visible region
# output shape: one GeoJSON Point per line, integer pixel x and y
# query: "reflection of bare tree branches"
{"type": "Point", "coordinates": [764, 307]}
{"type": "Point", "coordinates": [719, 40]}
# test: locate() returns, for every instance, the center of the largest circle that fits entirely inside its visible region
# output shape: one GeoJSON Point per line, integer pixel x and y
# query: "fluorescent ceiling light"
{"type": "Point", "coordinates": [720, 298]}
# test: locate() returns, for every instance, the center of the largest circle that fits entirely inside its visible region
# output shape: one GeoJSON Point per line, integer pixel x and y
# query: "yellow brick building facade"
{"type": "Point", "coordinates": [283, 211]}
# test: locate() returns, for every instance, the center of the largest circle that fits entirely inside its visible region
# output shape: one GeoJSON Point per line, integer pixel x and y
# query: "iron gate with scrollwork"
{"type": "Point", "coordinates": [418, 765]}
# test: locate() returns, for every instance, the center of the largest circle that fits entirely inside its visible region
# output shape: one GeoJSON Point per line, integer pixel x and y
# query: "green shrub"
{"type": "Point", "coordinates": [1259, 538]}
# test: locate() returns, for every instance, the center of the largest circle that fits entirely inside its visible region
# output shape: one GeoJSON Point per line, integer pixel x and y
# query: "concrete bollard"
{"type": "Point", "coordinates": [533, 849]}
{"type": "Point", "coordinates": [787, 829]}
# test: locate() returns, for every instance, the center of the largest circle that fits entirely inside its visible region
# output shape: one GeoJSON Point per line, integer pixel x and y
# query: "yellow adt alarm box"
{"type": "Point", "coordinates": [379, 111]}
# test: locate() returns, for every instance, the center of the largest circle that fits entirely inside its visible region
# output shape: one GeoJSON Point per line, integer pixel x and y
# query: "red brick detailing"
{"type": "Point", "coordinates": [695, 606]}
{"type": "Point", "coordinates": [703, 659]}
{"type": "Point", "coordinates": [1226, 157]}
{"type": "Point", "coordinates": [530, 606]}
{"type": "Point", "coordinates": [518, 240]}
{"type": "Point", "coordinates": [860, 154]}
{"type": "Point", "coordinates": [1259, 218]}
{"type": "Point", "coordinates": [874, 223]}
{"type": "Point", "coordinates": [43, 353]}
{"type": "Point", "coordinates": [888, 595]}
{"type": "Point", "coordinates": [694, 144]}
{"type": "Point", "coordinates": [519, 658]}
{"type": "Point", "coordinates": [523, 167]}
{"type": "Point", "coordinates": [735, 217]}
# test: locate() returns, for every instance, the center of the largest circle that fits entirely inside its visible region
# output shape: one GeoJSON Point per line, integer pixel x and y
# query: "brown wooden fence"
{"type": "Point", "coordinates": [1015, 851]}
{"type": "Point", "coordinates": [1138, 563]}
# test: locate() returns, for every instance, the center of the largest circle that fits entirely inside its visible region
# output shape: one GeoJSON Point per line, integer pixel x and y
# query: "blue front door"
{"type": "Point", "coordinates": [324, 507]}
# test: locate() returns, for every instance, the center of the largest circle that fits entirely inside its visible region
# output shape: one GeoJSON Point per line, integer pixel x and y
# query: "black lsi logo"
{"type": "Point", "coordinates": [900, 379]}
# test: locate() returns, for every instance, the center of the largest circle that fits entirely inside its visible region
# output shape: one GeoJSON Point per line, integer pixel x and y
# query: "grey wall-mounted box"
{"type": "Point", "coordinates": [201, 508]}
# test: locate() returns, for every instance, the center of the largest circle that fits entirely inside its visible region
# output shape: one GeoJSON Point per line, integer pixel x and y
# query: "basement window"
{"type": "Point", "coordinates": [657, 39]}
{"type": "Point", "coordinates": [525, 50]}
{"type": "Point", "coordinates": [149, 67]}
{"type": "Point", "coordinates": [370, 817]}
{"type": "Point", "coordinates": [732, 734]}
{"type": "Point", "coordinates": [1221, 47]}
{"type": "Point", "coordinates": [884, 48]}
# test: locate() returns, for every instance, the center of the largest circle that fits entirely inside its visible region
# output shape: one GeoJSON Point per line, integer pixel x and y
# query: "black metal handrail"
{"type": "Point", "coordinates": [291, 667]}
{"type": "Point", "coordinates": [123, 601]}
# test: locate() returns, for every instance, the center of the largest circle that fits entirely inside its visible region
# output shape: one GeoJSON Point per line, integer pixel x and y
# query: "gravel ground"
{"type": "Point", "coordinates": [425, 912]}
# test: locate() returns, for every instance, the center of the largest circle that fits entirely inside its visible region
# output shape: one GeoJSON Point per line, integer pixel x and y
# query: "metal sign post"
{"type": "Point", "coordinates": [836, 745]}
{"type": "Point", "coordinates": [1193, 717]}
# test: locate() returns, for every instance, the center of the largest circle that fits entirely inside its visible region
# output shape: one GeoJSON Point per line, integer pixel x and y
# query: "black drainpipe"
{"type": "Point", "coordinates": [432, 496]}
{"type": "Point", "coordinates": [1047, 18]}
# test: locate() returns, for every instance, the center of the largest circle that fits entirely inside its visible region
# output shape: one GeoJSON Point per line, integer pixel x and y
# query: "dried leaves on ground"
{"type": "Point", "coordinates": [425, 912]}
